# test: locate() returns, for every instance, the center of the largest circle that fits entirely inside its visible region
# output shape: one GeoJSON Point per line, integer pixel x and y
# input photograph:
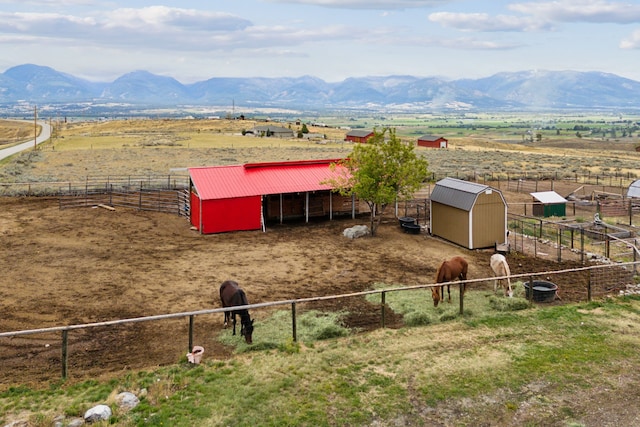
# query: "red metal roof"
{"type": "Point", "coordinates": [257, 179]}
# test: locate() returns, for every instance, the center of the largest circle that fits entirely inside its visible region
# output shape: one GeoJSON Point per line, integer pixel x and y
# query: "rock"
{"type": "Point", "coordinates": [356, 231]}
{"type": "Point", "coordinates": [76, 422]}
{"type": "Point", "coordinates": [127, 400]}
{"type": "Point", "coordinates": [97, 413]}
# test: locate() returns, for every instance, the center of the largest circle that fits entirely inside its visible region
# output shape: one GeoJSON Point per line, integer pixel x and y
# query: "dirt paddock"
{"type": "Point", "coordinates": [75, 266]}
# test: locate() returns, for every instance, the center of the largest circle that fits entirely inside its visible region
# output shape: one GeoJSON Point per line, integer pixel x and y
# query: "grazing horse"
{"type": "Point", "coordinates": [450, 270]}
{"type": "Point", "coordinates": [232, 295]}
{"type": "Point", "coordinates": [500, 268]}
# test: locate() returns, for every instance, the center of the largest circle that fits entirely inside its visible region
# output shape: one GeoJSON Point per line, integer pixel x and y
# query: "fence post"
{"type": "Point", "coordinates": [65, 353]}
{"type": "Point", "coordinates": [293, 322]}
{"type": "Point", "coordinates": [462, 285]}
{"type": "Point", "coordinates": [582, 245]}
{"type": "Point", "coordinates": [530, 290]}
{"type": "Point", "coordinates": [559, 244]}
{"type": "Point", "coordinates": [191, 317]}
{"type": "Point", "coordinates": [589, 288]}
{"type": "Point", "coordinates": [383, 302]}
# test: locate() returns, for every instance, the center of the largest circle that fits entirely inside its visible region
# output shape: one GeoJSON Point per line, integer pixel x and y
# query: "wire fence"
{"type": "Point", "coordinates": [595, 281]}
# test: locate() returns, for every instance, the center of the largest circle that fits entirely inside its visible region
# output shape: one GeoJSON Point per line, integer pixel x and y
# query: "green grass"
{"type": "Point", "coordinates": [383, 376]}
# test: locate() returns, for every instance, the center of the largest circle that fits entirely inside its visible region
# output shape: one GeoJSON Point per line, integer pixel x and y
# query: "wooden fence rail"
{"type": "Point", "coordinates": [599, 272]}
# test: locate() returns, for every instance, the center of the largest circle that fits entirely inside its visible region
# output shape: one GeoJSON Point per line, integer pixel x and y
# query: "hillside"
{"type": "Point", "coordinates": [515, 91]}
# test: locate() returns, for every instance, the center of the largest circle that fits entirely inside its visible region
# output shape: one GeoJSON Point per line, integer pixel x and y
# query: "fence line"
{"type": "Point", "coordinates": [599, 278]}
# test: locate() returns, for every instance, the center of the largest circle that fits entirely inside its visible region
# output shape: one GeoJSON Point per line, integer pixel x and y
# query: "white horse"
{"type": "Point", "coordinates": [501, 268]}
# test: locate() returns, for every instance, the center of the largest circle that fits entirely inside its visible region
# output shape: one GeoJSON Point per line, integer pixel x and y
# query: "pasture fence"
{"type": "Point", "coordinates": [596, 281]}
{"type": "Point", "coordinates": [571, 239]}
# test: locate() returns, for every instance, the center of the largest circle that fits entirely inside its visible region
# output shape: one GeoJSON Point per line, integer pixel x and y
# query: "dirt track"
{"type": "Point", "coordinates": [74, 266]}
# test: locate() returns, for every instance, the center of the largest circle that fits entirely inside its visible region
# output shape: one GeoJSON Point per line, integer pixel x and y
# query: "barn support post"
{"type": "Point", "coordinates": [281, 210]}
{"type": "Point", "coordinates": [383, 297]}
{"type": "Point", "coordinates": [293, 322]}
{"type": "Point", "coordinates": [353, 206]}
{"type": "Point", "coordinates": [65, 352]}
{"type": "Point", "coordinates": [306, 206]}
{"type": "Point", "coordinates": [191, 319]}
{"type": "Point", "coordinates": [330, 205]}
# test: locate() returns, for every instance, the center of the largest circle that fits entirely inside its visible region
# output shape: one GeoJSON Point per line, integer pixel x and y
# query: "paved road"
{"type": "Point", "coordinates": [44, 135]}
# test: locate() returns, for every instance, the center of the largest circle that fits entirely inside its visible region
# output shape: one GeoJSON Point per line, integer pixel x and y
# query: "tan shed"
{"type": "Point", "coordinates": [468, 214]}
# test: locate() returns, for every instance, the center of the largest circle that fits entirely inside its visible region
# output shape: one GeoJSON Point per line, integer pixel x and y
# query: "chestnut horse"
{"type": "Point", "coordinates": [232, 295]}
{"type": "Point", "coordinates": [500, 268]}
{"type": "Point", "coordinates": [450, 270]}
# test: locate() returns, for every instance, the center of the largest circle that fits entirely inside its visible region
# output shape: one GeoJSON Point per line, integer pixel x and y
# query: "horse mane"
{"type": "Point", "coordinates": [440, 272]}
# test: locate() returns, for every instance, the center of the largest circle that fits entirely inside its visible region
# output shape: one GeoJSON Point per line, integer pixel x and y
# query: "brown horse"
{"type": "Point", "coordinates": [232, 295]}
{"type": "Point", "coordinates": [450, 270]}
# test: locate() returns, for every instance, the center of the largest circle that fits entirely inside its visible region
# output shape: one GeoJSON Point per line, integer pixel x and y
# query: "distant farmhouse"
{"type": "Point", "coordinates": [432, 141]}
{"type": "Point", "coordinates": [358, 135]}
{"type": "Point", "coordinates": [271, 131]}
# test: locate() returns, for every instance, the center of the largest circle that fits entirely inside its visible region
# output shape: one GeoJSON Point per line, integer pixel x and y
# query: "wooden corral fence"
{"type": "Point", "coordinates": [169, 195]}
{"type": "Point", "coordinates": [602, 280]}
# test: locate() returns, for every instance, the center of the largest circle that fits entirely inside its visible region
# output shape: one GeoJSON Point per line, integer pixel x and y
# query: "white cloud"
{"type": "Point", "coordinates": [593, 11]}
{"type": "Point", "coordinates": [632, 42]}
{"type": "Point", "coordinates": [368, 4]}
{"type": "Point", "coordinates": [160, 27]}
{"type": "Point", "coordinates": [486, 22]}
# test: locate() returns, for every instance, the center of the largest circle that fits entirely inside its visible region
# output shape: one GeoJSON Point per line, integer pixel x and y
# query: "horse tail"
{"type": "Point", "coordinates": [508, 274]}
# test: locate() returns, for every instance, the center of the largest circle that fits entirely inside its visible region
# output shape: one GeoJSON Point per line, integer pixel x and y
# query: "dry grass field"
{"type": "Point", "coordinates": [91, 265]}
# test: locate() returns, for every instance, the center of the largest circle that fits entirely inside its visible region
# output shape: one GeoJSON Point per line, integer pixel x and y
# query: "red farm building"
{"type": "Point", "coordinates": [248, 197]}
{"type": "Point", "coordinates": [358, 135]}
{"type": "Point", "coordinates": [433, 141]}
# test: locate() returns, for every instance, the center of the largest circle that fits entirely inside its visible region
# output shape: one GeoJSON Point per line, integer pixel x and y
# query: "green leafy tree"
{"type": "Point", "coordinates": [304, 128]}
{"type": "Point", "coordinates": [380, 172]}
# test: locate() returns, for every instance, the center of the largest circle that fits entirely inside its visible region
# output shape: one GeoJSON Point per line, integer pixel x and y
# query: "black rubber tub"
{"type": "Point", "coordinates": [406, 220]}
{"type": "Point", "coordinates": [411, 228]}
{"type": "Point", "coordinates": [543, 291]}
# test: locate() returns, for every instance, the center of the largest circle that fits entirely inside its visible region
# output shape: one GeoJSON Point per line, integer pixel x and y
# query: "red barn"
{"type": "Point", "coordinates": [433, 141]}
{"type": "Point", "coordinates": [358, 135]}
{"type": "Point", "coordinates": [246, 197]}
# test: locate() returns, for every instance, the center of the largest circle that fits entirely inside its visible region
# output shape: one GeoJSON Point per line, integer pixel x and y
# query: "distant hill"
{"type": "Point", "coordinates": [521, 91]}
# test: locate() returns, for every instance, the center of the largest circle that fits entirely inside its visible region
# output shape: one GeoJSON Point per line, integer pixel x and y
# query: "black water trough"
{"type": "Point", "coordinates": [543, 291]}
{"type": "Point", "coordinates": [411, 228]}
{"type": "Point", "coordinates": [406, 220]}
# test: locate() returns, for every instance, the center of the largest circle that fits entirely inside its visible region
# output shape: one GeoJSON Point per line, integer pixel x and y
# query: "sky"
{"type": "Point", "coordinates": [333, 40]}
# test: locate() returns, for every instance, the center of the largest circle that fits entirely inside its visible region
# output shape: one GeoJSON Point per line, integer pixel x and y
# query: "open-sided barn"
{"type": "Point", "coordinates": [469, 214]}
{"type": "Point", "coordinates": [247, 197]}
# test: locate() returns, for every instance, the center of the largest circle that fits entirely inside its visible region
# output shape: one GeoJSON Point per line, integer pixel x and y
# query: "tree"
{"type": "Point", "coordinates": [381, 171]}
{"type": "Point", "coordinates": [304, 128]}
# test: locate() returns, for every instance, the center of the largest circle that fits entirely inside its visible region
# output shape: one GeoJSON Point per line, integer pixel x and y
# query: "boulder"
{"type": "Point", "coordinates": [97, 413]}
{"type": "Point", "coordinates": [356, 231]}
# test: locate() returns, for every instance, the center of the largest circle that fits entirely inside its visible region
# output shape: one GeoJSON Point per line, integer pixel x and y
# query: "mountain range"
{"type": "Point", "coordinates": [515, 91]}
